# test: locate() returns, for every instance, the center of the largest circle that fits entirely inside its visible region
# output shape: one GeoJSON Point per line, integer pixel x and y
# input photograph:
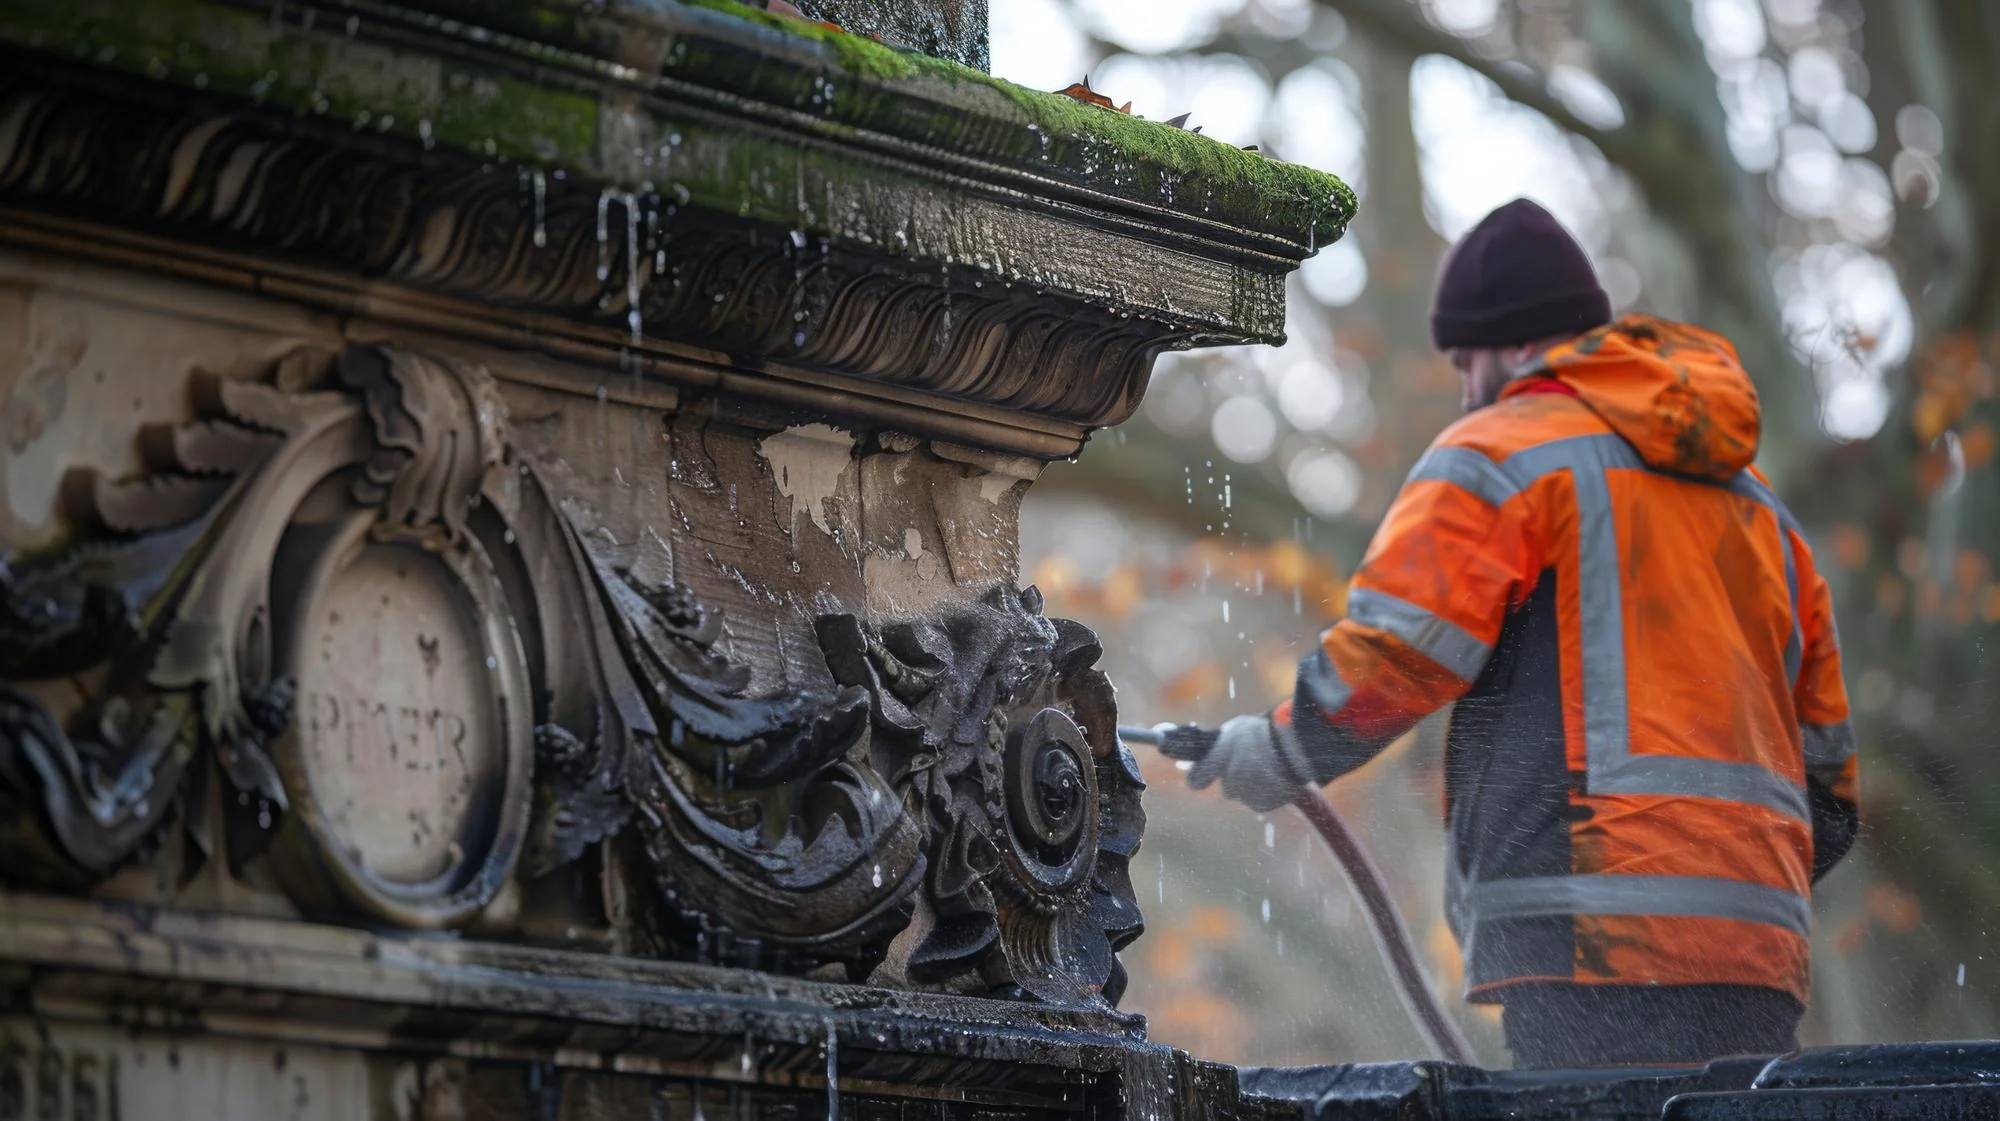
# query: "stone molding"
{"type": "Point", "coordinates": [659, 1022]}
{"type": "Point", "coordinates": [946, 276]}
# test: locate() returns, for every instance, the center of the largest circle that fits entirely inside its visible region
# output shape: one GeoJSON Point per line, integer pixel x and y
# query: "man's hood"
{"type": "Point", "coordinates": [1674, 392]}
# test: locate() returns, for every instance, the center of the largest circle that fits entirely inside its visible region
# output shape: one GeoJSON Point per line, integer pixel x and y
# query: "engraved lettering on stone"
{"type": "Point", "coordinates": [398, 728]}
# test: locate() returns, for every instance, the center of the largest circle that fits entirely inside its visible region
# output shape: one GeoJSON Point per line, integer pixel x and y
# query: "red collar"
{"type": "Point", "coordinates": [1542, 385]}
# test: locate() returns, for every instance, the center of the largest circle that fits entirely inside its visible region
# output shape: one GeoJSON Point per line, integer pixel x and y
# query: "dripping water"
{"type": "Point", "coordinates": [603, 234]}
{"type": "Point", "coordinates": [634, 318]}
{"type": "Point", "coordinates": [541, 210]}
{"type": "Point", "coordinates": [832, 1072]}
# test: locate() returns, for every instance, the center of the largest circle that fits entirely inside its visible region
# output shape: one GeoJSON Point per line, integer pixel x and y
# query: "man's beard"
{"type": "Point", "coordinates": [1479, 392]}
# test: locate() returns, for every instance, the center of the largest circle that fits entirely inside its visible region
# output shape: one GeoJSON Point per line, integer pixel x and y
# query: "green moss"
{"type": "Point", "coordinates": [1123, 154]}
{"type": "Point", "coordinates": [848, 85]}
{"type": "Point", "coordinates": [322, 71]}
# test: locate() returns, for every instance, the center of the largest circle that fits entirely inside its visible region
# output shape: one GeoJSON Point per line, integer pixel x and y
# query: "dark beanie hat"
{"type": "Point", "coordinates": [1517, 277]}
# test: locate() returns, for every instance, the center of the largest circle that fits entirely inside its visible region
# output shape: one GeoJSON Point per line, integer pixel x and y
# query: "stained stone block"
{"type": "Point", "coordinates": [511, 571]}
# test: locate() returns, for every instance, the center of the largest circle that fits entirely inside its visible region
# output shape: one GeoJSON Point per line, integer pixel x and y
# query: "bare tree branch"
{"type": "Point", "coordinates": [1277, 57]}
{"type": "Point", "coordinates": [1400, 26]}
{"type": "Point", "coordinates": [1674, 147]}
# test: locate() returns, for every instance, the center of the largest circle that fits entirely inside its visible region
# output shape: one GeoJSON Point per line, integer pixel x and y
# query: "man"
{"type": "Point", "coordinates": [1650, 761]}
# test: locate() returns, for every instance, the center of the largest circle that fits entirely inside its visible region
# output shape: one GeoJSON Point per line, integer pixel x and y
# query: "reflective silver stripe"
{"type": "Point", "coordinates": [1689, 777]}
{"type": "Point", "coordinates": [1828, 746]}
{"type": "Point", "coordinates": [1440, 640]}
{"type": "Point", "coordinates": [1329, 693]}
{"type": "Point", "coordinates": [1602, 451]}
{"type": "Point", "coordinates": [1753, 488]}
{"type": "Point", "coordinates": [1603, 894]}
{"type": "Point", "coordinates": [1467, 469]}
{"type": "Point", "coordinates": [1600, 593]}
{"type": "Point", "coordinates": [1795, 648]}
{"type": "Point", "coordinates": [1611, 768]}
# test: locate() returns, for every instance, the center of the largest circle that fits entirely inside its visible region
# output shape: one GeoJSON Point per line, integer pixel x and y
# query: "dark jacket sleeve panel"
{"type": "Point", "coordinates": [1832, 764]}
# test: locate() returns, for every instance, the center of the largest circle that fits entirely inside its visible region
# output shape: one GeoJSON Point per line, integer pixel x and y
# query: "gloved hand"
{"type": "Point", "coordinates": [1246, 753]}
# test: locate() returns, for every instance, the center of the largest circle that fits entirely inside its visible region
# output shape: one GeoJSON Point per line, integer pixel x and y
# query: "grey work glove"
{"type": "Point", "coordinates": [1248, 754]}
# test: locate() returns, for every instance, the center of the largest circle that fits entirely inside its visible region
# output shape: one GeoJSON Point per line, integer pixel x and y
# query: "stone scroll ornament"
{"type": "Point", "coordinates": [339, 599]}
{"type": "Point", "coordinates": [315, 589]}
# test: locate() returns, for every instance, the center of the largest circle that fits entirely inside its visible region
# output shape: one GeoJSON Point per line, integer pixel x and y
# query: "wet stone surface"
{"type": "Point", "coordinates": [397, 713]}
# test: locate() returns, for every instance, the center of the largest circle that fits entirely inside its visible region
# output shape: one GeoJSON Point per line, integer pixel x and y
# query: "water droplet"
{"type": "Point", "coordinates": [635, 321]}
{"type": "Point", "coordinates": [492, 662]}
{"type": "Point", "coordinates": [1232, 688]}
{"type": "Point", "coordinates": [1225, 611]}
{"type": "Point", "coordinates": [1266, 910]}
{"type": "Point", "coordinates": [603, 234]}
{"type": "Point", "coordinates": [541, 208]}
{"type": "Point", "coordinates": [1270, 834]}
{"type": "Point", "coordinates": [832, 1073]}
{"type": "Point", "coordinates": [878, 875]}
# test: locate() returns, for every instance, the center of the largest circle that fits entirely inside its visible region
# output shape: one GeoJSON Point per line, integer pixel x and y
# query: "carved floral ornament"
{"type": "Point", "coordinates": [340, 601]}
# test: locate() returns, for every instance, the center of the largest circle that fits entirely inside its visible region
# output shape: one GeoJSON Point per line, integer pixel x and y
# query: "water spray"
{"type": "Point", "coordinates": [1385, 919]}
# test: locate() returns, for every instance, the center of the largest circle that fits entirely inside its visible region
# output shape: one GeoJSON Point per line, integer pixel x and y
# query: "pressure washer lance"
{"type": "Point", "coordinates": [1385, 920]}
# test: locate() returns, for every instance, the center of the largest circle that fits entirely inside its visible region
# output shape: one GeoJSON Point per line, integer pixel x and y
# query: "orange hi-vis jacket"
{"type": "Point", "coordinates": [1650, 760]}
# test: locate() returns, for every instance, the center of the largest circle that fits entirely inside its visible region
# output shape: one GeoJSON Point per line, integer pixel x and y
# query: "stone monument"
{"type": "Point", "coordinates": [509, 601]}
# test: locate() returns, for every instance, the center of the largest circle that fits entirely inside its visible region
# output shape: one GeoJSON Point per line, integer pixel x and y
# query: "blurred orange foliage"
{"type": "Point", "coordinates": [1278, 568]}
{"type": "Point", "coordinates": [1203, 680]}
{"type": "Point", "coordinates": [1978, 442]}
{"type": "Point", "coordinates": [1850, 546]}
{"type": "Point", "coordinates": [1893, 907]}
{"type": "Point", "coordinates": [1952, 374]}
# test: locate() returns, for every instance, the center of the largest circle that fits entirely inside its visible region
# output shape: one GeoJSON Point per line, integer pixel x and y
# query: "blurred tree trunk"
{"type": "Point", "coordinates": [1413, 389]}
{"type": "Point", "coordinates": [1919, 503]}
{"type": "Point", "coordinates": [1674, 148]}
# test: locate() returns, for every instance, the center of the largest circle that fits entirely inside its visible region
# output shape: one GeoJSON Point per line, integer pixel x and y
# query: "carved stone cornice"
{"type": "Point", "coordinates": [666, 174]}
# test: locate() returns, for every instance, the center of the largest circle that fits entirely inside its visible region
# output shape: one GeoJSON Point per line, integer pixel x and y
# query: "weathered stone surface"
{"type": "Point", "coordinates": [538, 482]}
{"type": "Point", "coordinates": [378, 588]}
{"type": "Point", "coordinates": [447, 1025]}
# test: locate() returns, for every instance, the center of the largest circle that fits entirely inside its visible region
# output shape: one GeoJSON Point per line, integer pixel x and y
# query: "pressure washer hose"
{"type": "Point", "coordinates": [1385, 920]}
{"type": "Point", "coordinates": [1392, 934]}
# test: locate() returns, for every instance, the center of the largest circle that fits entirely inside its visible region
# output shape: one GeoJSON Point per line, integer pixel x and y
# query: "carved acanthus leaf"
{"type": "Point", "coordinates": [773, 846]}
{"type": "Point", "coordinates": [1029, 816]}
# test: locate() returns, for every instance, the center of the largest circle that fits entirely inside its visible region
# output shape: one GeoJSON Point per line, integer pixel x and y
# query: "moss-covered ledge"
{"type": "Point", "coordinates": [812, 203]}
{"type": "Point", "coordinates": [832, 83]}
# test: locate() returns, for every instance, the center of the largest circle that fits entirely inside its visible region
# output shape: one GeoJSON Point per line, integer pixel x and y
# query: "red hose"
{"type": "Point", "coordinates": [1392, 935]}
